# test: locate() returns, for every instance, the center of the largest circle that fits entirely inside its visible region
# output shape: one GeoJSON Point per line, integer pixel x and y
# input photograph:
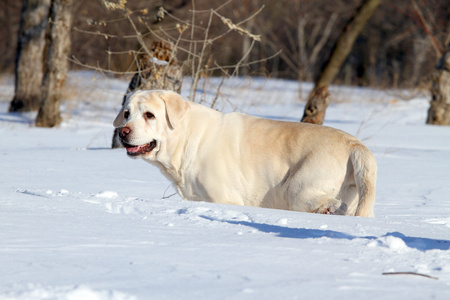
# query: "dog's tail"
{"type": "Point", "coordinates": [365, 172]}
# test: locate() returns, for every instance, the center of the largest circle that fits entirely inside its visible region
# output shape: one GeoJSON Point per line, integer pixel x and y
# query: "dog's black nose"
{"type": "Point", "coordinates": [124, 131]}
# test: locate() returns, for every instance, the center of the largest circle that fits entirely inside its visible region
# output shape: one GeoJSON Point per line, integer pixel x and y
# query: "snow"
{"type": "Point", "coordinates": [81, 221]}
{"type": "Point", "coordinates": [158, 61]}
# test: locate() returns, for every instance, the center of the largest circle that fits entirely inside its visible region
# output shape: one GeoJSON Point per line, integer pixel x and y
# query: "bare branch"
{"type": "Point", "coordinates": [246, 64]}
{"type": "Point", "coordinates": [239, 64]}
{"type": "Point", "coordinates": [200, 59]}
{"type": "Point", "coordinates": [138, 34]}
{"type": "Point", "coordinates": [325, 36]}
{"type": "Point", "coordinates": [239, 29]}
{"type": "Point", "coordinates": [437, 48]}
{"type": "Point", "coordinates": [195, 44]}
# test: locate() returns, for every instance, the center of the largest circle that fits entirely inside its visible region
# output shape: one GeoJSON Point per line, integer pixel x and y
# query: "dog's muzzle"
{"type": "Point", "coordinates": [134, 150]}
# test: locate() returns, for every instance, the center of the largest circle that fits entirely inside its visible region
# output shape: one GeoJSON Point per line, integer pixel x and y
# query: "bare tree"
{"type": "Point", "coordinates": [345, 42]}
{"type": "Point", "coordinates": [57, 64]}
{"type": "Point", "coordinates": [439, 112]}
{"type": "Point", "coordinates": [29, 67]}
{"type": "Point", "coordinates": [303, 33]}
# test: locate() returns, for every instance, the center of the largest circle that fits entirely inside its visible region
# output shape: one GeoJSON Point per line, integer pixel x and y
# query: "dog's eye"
{"type": "Point", "coordinates": [149, 115]}
{"type": "Point", "coordinates": [126, 114]}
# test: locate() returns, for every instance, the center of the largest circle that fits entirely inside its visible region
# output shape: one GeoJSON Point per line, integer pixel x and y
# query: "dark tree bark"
{"type": "Point", "coordinates": [345, 42]}
{"type": "Point", "coordinates": [316, 106]}
{"type": "Point", "coordinates": [439, 112]}
{"type": "Point", "coordinates": [158, 71]}
{"type": "Point", "coordinates": [29, 68]}
{"type": "Point", "coordinates": [57, 64]}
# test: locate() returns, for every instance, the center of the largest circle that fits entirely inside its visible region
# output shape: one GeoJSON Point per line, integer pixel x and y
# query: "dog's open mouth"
{"type": "Point", "coordinates": [140, 149]}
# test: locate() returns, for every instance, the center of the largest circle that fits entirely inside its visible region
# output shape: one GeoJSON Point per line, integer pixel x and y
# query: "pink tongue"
{"type": "Point", "coordinates": [134, 149]}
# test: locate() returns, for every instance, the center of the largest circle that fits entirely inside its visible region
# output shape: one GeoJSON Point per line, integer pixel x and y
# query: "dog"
{"type": "Point", "coordinates": [240, 159]}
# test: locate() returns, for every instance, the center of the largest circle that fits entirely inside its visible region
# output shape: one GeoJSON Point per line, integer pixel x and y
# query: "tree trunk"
{"type": "Point", "coordinates": [57, 64]}
{"type": "Point", "coordinates": [316, 106]}
{"type": "Point", "coordinates": [439, 112]}
{"type": "Point", "coordinates": [345, 42]}
{"type": "Point", "coordinates": [29, 55]}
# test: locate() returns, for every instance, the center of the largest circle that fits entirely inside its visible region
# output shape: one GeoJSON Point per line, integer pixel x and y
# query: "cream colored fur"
{"type": "Point", "coordinates": [244, 160]}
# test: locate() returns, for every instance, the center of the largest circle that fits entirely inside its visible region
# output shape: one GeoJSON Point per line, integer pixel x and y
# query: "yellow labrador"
{"type": "Point", "coordinates": [240, 159]}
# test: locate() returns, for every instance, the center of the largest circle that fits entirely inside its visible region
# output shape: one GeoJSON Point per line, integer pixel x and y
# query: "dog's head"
{"type": "Point", "coordinates": [146, 120]}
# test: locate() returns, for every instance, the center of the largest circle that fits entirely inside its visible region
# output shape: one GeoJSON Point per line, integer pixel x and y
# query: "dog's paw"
{"type": "Point", "coordinates": [342, 210]}
{"type": "Point", "coordinates": [334, 207]}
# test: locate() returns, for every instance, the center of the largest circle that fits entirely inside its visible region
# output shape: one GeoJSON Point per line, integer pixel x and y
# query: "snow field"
{"type": "Point", "coordinates": [81, 221]}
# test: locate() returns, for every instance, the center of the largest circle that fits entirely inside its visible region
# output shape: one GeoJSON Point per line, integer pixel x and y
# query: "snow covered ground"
{"type": "Point", "coordinates": [81, 221]}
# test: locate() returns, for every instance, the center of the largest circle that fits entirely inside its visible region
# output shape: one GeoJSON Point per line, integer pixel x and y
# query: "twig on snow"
{"type": "Point", "coordinates": [410, 273]}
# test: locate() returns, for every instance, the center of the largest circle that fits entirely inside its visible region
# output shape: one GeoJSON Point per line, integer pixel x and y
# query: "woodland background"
{"type": "Point", "coordinates": [398, 47]}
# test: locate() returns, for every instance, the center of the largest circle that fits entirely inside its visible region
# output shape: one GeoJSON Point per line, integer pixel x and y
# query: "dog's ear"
{"type": "Point", "coordinates": [176, 107]}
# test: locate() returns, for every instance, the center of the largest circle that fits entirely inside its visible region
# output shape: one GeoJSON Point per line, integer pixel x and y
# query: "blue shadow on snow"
{"type": "Point", "coordinates": [419, 243]}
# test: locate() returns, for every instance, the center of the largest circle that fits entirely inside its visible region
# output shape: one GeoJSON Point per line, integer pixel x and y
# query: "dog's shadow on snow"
{"type": "Point", "coordinates": [419, 243]}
